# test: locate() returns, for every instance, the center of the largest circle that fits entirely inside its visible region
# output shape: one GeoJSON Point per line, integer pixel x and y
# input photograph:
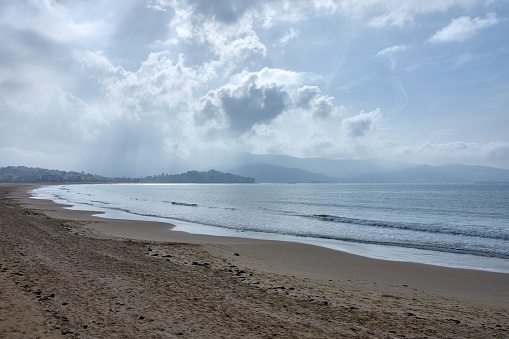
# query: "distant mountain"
{"type": "Point", "coordinates": [267, 173]}
{"type": "Point", "coordinates": [357, 170]}
{"type": "Point", "coordinates": [340, 168]}
{"type": "Point", "coordinates": [434, 174]}
{"type": "Point", "coordinates": [296, 171]}
{"type": "Point", "coordinates": [365, 171]}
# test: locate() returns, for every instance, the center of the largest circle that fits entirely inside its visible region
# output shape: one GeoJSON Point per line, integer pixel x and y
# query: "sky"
{"type": "Point", "coordinates": [124, 87]}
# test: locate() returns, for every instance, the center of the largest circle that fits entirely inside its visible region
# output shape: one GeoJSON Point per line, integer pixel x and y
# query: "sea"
{"type": "Point", "coordinates": [451, 225]}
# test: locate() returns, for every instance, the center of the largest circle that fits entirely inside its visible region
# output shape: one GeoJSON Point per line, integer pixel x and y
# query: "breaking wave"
{"type": "Point", "coordinates": [471, 231]}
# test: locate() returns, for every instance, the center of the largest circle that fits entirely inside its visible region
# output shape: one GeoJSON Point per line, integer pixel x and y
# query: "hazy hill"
{"type": "Point", "coordinates": [435, 174]}
{"type": "Point", "coordinates": [296, 171]}
{"type": "Point", "coordinates": [31, 174]}
{"type": "Point", "coordinates": [209, 177]}
{"type": "Point", "coordinates": [332, 168]}
{"type": "Point", "coordinates": [368, 171]}
{"type": "Point", "coordinates": [263, 172]}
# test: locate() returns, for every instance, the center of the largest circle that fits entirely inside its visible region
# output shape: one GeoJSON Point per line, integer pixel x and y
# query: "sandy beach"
{"type": "Point", "coordinates": [69, 274]}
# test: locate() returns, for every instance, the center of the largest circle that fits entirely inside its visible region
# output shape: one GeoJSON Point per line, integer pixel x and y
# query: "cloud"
{"type": "Point", "coordinates": [142, 86]}
{"type": "Point", "coordinates": [396, 18]}
{"type": "Point", "coordinates": [97, 65]}
{"type": "Point", "coordinates": [48, 19]}
{"type": "Point", "coordinates": [232, 40]}
{"type": "Point", "coordinates": [252, 105]}
{"type": "Point", "coordinates": [36, 38]}
{"type": "Point", "coordinates": [28, 128]}
{"type": "Point", "coordinates": [226, 11]}
{"type": "Point", "coordinates": [462, 29]}
{"type": "Point", "coordinates": [389, 53]}
{"type": "Point", "coordinates": [383, 14]}
{"type": "Point", "coordinates": [470, 153]}
{"type": "Point", "coordinates": [259, 98]}
{"type": "Point", "coordinates": [359, 125]}
{"type": "Point", "coordinates": [141, 116]}
{"type": "Point", "coordinates": [158, 81]}
{"type": "Point", "coordinates": [391, 50]}
{"type": "Point", "coordinates": [290, 35]}
{"type": "Point", "coordinates": [269, 111]}
{"type": "Point", "coordinates": [400, 13]}
{"type": "Point", "coordinates": [137, 28]}
{"type": "Point", "coordinates": [245, 104]}
{"type": "Point", "coordinates": [310, 98]}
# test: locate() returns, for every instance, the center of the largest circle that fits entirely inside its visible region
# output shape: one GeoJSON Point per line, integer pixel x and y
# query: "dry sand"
{"type": "Point", "coordinates": [67, 273]}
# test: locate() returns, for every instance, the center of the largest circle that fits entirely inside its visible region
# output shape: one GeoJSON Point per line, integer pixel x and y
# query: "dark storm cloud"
{"type": "Point", "coordinates": [246, 105]}
{"type": "Point", "coordinates": [256, 105]}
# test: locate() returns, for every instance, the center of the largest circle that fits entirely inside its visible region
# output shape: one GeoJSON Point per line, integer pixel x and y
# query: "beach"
{"type": "Point", "coordinates": [69, 273]}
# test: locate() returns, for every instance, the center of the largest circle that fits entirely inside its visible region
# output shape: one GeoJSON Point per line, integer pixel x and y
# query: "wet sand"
{"type": "Point", "coordinates": [68, 273]}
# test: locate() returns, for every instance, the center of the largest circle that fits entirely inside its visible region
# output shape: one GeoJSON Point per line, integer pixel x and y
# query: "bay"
{"type": "Point", "coordinates": [463, 225]}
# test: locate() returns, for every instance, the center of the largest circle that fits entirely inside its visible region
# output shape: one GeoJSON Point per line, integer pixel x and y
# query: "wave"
{"type": "Point", "coordinates": [470, 231]}
{"type": "Point", "coordinates": [180, 203]}
{"type": "Point", "coordinates": [444, 248]}
{"type": "Point", "coordinates": [449, 245]}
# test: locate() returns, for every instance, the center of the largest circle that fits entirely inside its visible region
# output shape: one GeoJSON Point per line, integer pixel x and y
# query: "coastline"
{"type": "Point", "coordinates": [456, 239]}
{"type": "Point", "coordinates": [295, 258]}
{"type": "Point", "coordinates": [338, 281]}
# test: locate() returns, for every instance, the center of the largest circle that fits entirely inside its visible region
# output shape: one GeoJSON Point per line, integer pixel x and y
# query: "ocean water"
{"type": "Point", "coordinates": [463, 225]}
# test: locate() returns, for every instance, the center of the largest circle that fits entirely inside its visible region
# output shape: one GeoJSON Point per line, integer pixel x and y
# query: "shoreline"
{"type": "Point", "coordinates": [66, 272]}
{"type": "Point", "coordinates": [297, 259]}
{"type": "Point", "coordinates": [367, 250]}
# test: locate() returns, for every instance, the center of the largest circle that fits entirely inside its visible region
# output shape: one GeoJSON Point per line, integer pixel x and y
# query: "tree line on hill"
{"type": "Point", "coordinates": [41, 175]}
{"type": "Point", "coordinates": [209, 177]}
